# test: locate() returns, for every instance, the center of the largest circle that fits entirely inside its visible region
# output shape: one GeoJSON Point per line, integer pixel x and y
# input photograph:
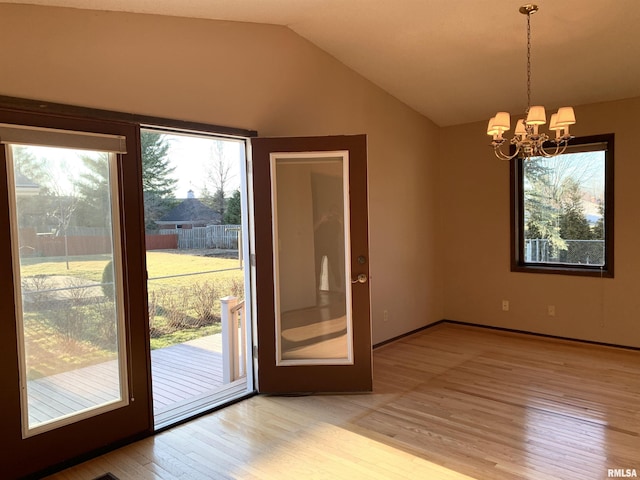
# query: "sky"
{"type": "Point", "coordinates": [195, 156]}
{"type": "Point", "coordinates": [192, 156]}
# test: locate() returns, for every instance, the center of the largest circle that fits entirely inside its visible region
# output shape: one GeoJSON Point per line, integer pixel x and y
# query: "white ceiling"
{"type": "Point", "coordinates": [455, 61]}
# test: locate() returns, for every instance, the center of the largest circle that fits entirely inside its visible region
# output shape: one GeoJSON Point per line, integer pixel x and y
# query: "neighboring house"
{"type": "Point", "coordinates": [25, 186]}
{"type": "Point", "coordinates": [190, 213]}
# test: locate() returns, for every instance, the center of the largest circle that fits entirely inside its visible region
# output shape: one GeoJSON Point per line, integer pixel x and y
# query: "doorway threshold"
{"type": "Point", "coordinates": [205, 403]}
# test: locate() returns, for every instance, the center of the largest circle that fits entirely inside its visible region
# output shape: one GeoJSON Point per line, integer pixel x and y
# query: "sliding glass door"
{"type": "Point", "coordinates": [73, 354]}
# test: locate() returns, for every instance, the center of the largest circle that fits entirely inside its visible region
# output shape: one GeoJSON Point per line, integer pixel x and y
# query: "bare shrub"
{"type": "Point", "coordinates": [68, 316]}
{"type": "Point", "coordinates": [34, 290]}
{"type": "Point", "coordinates": [204, 299]}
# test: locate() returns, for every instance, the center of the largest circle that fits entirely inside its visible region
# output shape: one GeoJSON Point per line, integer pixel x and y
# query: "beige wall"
{"type": "Point", "coordinates": [256, 77]}
{"type": "Point", "coordinates": [439, 200]}
{"type": "Point", "coordinates": [475, 226]}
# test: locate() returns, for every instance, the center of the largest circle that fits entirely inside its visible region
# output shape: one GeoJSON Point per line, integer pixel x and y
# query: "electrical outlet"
{"type": "Point", "coordinates": [385, 315]}
{"type": "Point", "coordinates": [505, 305]}
{"type": "Point", "coordinates": [551, 310]}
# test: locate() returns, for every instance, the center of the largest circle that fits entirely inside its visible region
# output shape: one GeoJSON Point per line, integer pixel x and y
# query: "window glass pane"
{"type": "Point", "coordinates": [64, 224]}
{"type": "Point", "coordinates": [564, 209]}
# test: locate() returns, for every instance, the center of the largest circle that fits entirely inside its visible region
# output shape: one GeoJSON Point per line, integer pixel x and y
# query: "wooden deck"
{"type": "Point", "coordinates": [179, 373]}
{"type": "Point", "coordinates": [185, 371]}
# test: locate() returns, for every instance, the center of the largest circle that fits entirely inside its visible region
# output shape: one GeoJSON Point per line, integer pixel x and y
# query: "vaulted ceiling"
{"type": "Point", "coordinates": [455, 61]}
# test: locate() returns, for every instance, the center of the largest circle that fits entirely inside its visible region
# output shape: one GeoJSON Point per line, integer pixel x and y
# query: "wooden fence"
{"type": "Point", "coordinates": [48, 245]}
{"type": "Point", "coordinates": [162, 242]}
{"type": "Point", "coordinates": [211, 236]}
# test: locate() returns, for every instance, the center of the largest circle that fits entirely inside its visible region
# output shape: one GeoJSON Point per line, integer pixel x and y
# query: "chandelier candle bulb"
{"type": "Point", "coordinates": [553, 125]}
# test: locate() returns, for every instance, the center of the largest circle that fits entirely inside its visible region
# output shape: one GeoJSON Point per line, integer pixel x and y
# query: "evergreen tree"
{"type": "Point", "coordinates": [598, 228]}
{"type": "Point", "coordinates": [573, 223]}
{"type": "Point", "coordinates": [158, 185]}
{"type": "Point", "coordinates": [33, 208]}
{"type": "Point", "coordinates": [156, 166]}
{"type": "Point", "coordinates": [233, 213]}
{"type": "Point", "coordinates": [93, 188]}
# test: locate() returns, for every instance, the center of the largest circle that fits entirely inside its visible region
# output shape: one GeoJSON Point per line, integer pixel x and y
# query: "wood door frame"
{"type": "Point", "coordinates": [325, 377]}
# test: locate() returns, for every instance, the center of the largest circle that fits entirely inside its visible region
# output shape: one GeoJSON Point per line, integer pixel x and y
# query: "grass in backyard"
{"type": "Point", "coordinates": [49, 352]}
{"type": "Point", "coordinates": [88, 267]}
{"type": "Point", "coordinates": [159, 264]}
{"type": "Point", "coordinates": [163, 264]}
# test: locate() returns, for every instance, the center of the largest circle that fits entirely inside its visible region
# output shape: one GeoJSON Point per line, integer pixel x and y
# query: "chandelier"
{"type": "Point", "coordinates": [528, 140]}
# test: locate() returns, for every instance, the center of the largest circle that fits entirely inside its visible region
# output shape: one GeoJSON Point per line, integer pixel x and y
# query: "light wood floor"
{"type": "Point", "coordinates": [453, 402]}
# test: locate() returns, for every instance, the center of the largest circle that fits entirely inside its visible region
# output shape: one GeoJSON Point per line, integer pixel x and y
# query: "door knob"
{"type": "Point", "coordinates": [361, 278]}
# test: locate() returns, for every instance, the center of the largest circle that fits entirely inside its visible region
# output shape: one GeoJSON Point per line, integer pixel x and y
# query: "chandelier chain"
{"type": "Point", "coordinates": [528, 61]}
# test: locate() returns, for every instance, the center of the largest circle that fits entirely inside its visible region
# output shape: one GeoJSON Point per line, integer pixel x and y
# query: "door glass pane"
{"type": "Point", "coordinates": [66, 264]}
{"type": "Point", "coordinates": [312, 284]}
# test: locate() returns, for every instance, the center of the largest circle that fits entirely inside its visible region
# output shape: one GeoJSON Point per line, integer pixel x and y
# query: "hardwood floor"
{"type": "Point", "coordinates": [453, 402]}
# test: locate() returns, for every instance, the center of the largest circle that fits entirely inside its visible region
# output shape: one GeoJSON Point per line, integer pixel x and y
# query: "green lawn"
{"type": "Point", "coordinates": [182, 308]}
{"type": "Point", "coordinates": [88, 267]}
{"type": "Point", "coordinates": [159, 264]}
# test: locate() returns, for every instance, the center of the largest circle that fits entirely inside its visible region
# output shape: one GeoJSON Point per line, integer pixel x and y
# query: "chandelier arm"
{"type": "Point", "coordinates": [561, 147]}
{"type": "Point", "coordinates": [497, 149]}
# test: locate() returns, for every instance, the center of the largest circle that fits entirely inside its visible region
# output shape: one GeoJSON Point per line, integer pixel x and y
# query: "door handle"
{"type": "Point", "coordinates": [361, 278]}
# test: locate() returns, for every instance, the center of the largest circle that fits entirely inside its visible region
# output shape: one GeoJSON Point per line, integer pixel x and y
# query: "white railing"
{"type": "Point", "coordinates": [577, 252]}
{"type": "Point", "coordinates": [234, 351]}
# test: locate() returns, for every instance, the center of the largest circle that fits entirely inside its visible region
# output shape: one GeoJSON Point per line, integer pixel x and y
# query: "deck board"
{"type": "Point", "coordinates": [179, 372]}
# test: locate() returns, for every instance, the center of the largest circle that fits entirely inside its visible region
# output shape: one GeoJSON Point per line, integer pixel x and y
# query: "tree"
{"type": "Point", "coordinates": [218, 176]}
{"type": "Point", "coordinates": [32, 208]}
{"type": "Point", "coordinates": [156, 166]}
{"type": "Point", "coordinates": [542, 204]}
{"type": "Point", "coordinates": [598, 228]}
{"type": "Point", "coordinates": [93, 188]}
{"type": "Point", "coordinates": [26, 163]}
{"type": "Point", "coordinates": [233, 213]}
{"type": "Point", "coordinates": [158, 185]}
{"type": "Point", "coordinates": [573, 223]}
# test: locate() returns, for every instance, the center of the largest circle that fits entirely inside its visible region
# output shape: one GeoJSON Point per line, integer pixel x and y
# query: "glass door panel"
{"type": "Point", "coordinates": [65, 235]}
{"type": "Point", "coordinates": [313, 303]}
